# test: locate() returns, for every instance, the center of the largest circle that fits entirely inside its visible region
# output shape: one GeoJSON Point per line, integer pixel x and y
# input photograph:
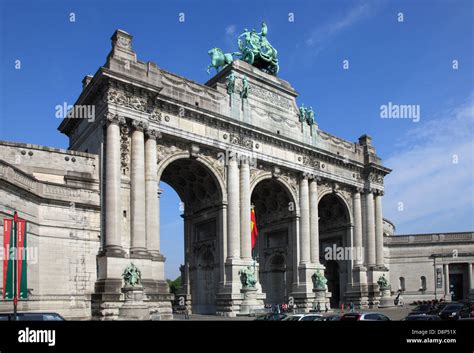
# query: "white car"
{"type": "Point", "coordinates": [305, 317]}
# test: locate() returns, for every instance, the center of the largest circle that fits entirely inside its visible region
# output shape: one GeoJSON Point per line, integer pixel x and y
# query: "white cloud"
{"type": "Point", "coordinates": [322, 33]}
{"type": "Point", "coordinates": [437, 194]}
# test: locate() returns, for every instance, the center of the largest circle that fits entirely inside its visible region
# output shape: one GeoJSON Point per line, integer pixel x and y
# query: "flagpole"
{"type": "Point", "coordinates": [15, 264]}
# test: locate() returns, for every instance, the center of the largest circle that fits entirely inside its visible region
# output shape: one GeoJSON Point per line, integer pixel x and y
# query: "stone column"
{"type": "Point", "coordinates": [245, 233]}
{"type": "Point", "coordinates": [113, 212]}
{"type": "Point", "coordinates": [233, 210]}
{"type": "Point", "coordinates": [152, 197]}
{"type": "Point", "coordinates": [358, 228]}
{"type": "Point", "coordinates": [446, 282]}
{"type": "Point", "coordinates": [137, 192]}
{"type": "Point", "coordinates": [370, 228]}
{"type": "Point", "coordinates": [469, 276]}
{"type": "Point", "coordinates": [379, 230]}
{"type": "Point", "coordinates": [314, 221]}
{"type": "Point", "coordinates": [304, 222]}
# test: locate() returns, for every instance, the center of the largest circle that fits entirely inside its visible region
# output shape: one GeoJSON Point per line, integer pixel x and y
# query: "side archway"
{"type": "Point", "coordinates": [202, 193]}
{"type": "Point", "coordinates": [335, 243]}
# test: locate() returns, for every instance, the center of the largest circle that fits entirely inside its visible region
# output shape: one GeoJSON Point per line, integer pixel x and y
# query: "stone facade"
{"type": "Point", "coordinates": [428, 266]}
{"type": "Point", "coordinates": [57, 192]}
{"type": "Point", "coordinates": [95, 208]}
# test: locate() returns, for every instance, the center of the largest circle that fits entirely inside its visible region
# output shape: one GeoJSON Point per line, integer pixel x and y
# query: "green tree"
{"type": "Point", "coordinates": [174, 285]}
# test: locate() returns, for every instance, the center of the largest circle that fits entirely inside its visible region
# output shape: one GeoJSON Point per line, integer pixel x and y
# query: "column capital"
{"type": "Point", "coordinates": [304, 176]}
{"type": "Point", "coordinates": [111, 118]}
{"type": "Point", "coordinates": [357, 190]}
{"type": "Point", "coordinates": [378, 192]}
{"type": "Point", "coordinates": [369, 190]}
{"type": "Point", "coordinates": [139, 125]}
{"type": "Point", "coordinates": [152, 133]}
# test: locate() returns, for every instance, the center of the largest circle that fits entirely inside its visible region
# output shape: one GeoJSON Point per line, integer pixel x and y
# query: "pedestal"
{"type": "Point", "coordinates": [322, 297]}
{"type": "Point", "coordinates": [251, 303]}
{"type": "Point", "coordinates": [386, 299]}
{"type": "Point", "coordinates": [134, 307]}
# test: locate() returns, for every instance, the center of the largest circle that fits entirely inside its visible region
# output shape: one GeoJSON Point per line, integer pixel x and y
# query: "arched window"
{"type": "Point", "coordinates": [423, 283]}
{"type": "Point", "coordinates": [401, 284]}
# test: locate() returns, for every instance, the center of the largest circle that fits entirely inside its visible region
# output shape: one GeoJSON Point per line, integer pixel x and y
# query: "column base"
{"type": "Point", "coordinates": [139, 253]}
{"type": "Point", "coordinates": [112, 251]}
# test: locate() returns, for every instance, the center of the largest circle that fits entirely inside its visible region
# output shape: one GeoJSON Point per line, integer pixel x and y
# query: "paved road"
{"type": "Point", "coordinates": [396, 313]}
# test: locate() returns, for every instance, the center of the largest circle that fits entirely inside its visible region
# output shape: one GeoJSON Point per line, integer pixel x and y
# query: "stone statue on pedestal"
{"type": "Point", "coordinates": [134, 307]}
{"type": "Point", "coordinates": [247, 277]}
{"type": "Point", "coordinates": [132, 276]}
{"type": "Point", "coordinates": [383, 283]}
{"type": "Point", "coordinates": [319, 281]}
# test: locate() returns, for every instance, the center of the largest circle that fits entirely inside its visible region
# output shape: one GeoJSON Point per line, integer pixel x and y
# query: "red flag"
{"type": "Point", "coordinates": [253, 227]}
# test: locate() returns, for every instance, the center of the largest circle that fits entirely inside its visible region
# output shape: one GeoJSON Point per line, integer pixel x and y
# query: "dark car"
{"type": "Point", "coordinates": [438, 308]}
{"type": "Point", "coordinates": [467, 311]}
{"type": "Point", "coordinates": [271, 317]}
{"type": "Point", "coordinates": [422, 309]}
{"type": "Point", "coordinates": [451, 311]}
{"type": "Point", "coordinates": [31, 317]}
{"type": "Point", "coordinates": [422, 317]}
{"type": "Point", "coordinates": [334, 317]}
{"type": "Point", "coordinates": [364, 317]}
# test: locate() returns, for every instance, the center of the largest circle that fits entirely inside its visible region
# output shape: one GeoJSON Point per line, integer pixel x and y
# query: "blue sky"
{"type": "Point", "coordinates": [409, 62]}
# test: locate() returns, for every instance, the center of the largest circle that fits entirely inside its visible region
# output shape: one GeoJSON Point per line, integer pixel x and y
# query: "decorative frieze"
{"type": "Point", "coordinates": [310, 162]}
{"type": "Point", "coordinates": [126, 99]}
{"type": "Point", "coordinates": [271, 97]}
{"type": "Point", "coordinates": [167, 148]}
{"type": "Point", "coordinates": [241, 140]}
{"type": "Point", "coordinates": [375, 178]}
{"type": "Point", "coordinates": [124, 149]}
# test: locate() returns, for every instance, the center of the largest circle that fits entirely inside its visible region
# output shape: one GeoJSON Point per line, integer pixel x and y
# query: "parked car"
{"type": "Point", "coordinates": [304, 317]}
{"type": "Point", "coordinates": [295, 317]}
{"type": "Point", "coordinates": [422, 317]}
{"type": "Point", "coordinates": [31, 317]}
{"type": "Point", "coordinates": [364, 317]}
{"type": "Point", "coordinates": [422, 309]}
{"type": "Point", "coordinates": [468, 311]}
{"type": "Point", "coordinates": [334, 317]}
{"type": "Point", "coordinates": [452, 311]}
{"type": "Point", "coordinates": [438, 308]}
{"type": "Point", "coordinates": [271, 317]}
{"type": "Point", "coordinates": [312, 317]}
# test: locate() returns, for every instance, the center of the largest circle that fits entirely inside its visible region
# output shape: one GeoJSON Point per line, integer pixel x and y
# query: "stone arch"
{"type": "Point", "coordinates": [164, 163]}
{"type": "Point", "coordinates": [268, 175]}
{"type": "Point", "coordinates": [341, 198]}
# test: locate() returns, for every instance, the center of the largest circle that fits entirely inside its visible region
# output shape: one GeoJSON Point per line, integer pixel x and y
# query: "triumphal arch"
{"type": "Point", "coordinates": [236, 142]}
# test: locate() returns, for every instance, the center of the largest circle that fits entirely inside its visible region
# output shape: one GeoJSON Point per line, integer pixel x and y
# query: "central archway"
{"type": "Point", "coordinates": [275, 212]}
{"type": "Point", "coordinates": [201, 193]}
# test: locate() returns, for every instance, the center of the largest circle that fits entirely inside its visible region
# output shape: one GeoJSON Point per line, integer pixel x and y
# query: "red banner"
{"type": "Point", "coordinates": [15, 259]}
{"type": "Point", "coordinates": [7, 266]}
